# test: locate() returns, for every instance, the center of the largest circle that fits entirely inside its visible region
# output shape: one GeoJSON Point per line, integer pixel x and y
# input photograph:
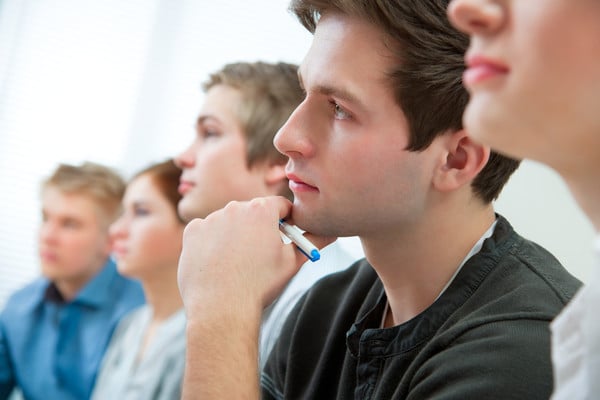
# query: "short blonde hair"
{"type": "Point", "coordinates": [102, 184]}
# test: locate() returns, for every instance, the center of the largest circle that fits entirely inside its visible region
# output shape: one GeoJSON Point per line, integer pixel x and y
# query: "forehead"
{"type": "Point", "coordinates": [224, 108]}
{"type": "Point", "coordinates": [347, 50]}
{"type": "Point", "coordinates": [221, 100]}
{"type": "Point", "coordinates": [75, 205]}
{"type": "Point", "coordinates": [143, 187]}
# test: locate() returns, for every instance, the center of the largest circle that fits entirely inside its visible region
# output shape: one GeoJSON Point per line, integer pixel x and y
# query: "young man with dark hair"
{"type": "Point", "coordinates": [450, 301]}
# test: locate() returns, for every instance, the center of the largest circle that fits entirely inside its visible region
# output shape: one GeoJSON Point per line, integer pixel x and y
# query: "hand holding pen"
{"type": "Point", "coordinates": [237, 253]}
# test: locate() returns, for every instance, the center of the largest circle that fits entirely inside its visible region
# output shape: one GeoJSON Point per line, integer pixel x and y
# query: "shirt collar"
{"type": "Point", "coordinates": [93, 294]}
{"type": "Point", "coordinates": [53, 295]}
{"type": "Point", "coordinates": [474, 250]}
{"type": "Point", "coordinates": [98, 289]}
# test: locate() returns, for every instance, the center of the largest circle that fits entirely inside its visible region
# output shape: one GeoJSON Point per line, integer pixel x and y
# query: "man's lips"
{"type": "Point", "coordinates": [296, 184]}
{"type": "Point", "coordinates": [48, 256]}
{"type": "Point", "coordinates": [119, 251]}
{"type": "Point", "coordinates": [480, 69]}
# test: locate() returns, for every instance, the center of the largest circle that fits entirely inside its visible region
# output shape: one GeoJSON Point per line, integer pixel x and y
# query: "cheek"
{"type": "Point", "coordinates": [369, 161]}
{"type": "Point", "coordinates": [156, 242]}
{"type": "Point", "coordinates": [224, 175]}
{"type": "Point", "coordinates": [357, 178]}
{"type": "Point", "coordinates": [216, 166]}
{"type": "Point", "coordinates": [550, 46]}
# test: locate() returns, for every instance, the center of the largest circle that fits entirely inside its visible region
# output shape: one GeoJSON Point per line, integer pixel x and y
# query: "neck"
{"type": "Point", "coordinates": [416, 262]}
{"type": "Point", "coordinates": [70, 287]}
{"type": "Point", "coordinates": [162, 294]}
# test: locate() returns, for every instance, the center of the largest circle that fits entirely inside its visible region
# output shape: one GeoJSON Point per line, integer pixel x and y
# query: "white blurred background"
{"type": "Point", "coordinates": [118, 82]}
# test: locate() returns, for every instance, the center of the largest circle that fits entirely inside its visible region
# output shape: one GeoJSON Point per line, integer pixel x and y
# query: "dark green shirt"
{"type": "Point", "coordinates": [486, 337]}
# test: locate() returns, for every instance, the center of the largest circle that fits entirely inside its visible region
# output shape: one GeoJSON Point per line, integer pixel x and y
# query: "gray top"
{"type": "Point", "coordinates": [158, 375]}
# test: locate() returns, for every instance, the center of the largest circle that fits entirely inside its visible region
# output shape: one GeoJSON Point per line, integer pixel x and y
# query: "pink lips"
{"type": "Point", "coordinates": [119, 251]}
{"type": "Point", "coordinates": [48, 256]}
{"type": "Point", "coordinates": [481, 69]}
{"type": "Point", "coordinates": [184, 187]}
{"type": "Point", "coordinates": [297, 185]}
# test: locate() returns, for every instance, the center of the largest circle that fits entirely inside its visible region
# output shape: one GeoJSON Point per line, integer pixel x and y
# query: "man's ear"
{"type": "Point", "coordinates": [464, 159]}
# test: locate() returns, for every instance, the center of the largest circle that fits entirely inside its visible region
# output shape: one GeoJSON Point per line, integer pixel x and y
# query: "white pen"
{"type": "Point", "coordinates": [293, 233]}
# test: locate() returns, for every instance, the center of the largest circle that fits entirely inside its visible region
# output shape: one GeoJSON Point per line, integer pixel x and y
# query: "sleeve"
{"type": "Point", "coordinates": [497, 360]}
{"type": "Point", "coordinates": [7, 380]}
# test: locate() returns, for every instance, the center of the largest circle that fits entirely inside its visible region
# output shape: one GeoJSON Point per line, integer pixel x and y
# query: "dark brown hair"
{"type": "Point", "coordinates": [427, 79]}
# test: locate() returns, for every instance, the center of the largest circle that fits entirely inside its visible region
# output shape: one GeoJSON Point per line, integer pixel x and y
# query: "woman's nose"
{"type": "Point", "coordinates": [475, 16]}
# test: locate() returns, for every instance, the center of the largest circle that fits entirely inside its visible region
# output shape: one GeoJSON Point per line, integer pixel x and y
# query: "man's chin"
{"type": "Point", "coordinates": [52, 272]}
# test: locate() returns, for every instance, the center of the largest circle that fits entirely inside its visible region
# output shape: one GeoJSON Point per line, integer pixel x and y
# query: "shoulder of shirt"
{"type": "Point", "coordinates": [109, 287]}
{"type": "Point", "coordinates": [24, 300]}
{"type": "Point", "coordinates": [134, 318]}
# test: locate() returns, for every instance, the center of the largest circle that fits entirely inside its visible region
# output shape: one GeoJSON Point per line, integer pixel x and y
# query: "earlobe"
{"type": "Point", "coordinates": [465, 158]}
{"type": "Point", "coordinates": [275, 174]}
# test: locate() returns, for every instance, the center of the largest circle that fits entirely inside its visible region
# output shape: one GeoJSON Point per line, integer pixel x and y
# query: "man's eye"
{"type": "Point", "coordinates": [208, 133]}
{"type": "Point", "coordinates": [70, 223]}
{"type": "Point", "coordinates": [339, 112]}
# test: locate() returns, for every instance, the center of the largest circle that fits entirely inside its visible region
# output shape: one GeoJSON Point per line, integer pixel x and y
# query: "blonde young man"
{"type": "Point", "coordinates": [54, 331]}
{"type": "Point", "coordinates": [233, 157]}
{"type": "Point", "coordinates": [450, 302]}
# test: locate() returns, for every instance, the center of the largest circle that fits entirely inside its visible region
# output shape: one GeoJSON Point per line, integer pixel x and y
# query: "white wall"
{"type": "Point", "coordinates": [541, 208]}
{"type": "Point", "coordinates": [118, 82]}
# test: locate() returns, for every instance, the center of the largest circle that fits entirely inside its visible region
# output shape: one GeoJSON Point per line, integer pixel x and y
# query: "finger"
{"type": "Point", "coordinates": [283, 205]}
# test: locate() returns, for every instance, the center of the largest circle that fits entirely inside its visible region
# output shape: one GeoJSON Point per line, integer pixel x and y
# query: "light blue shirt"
{"type": "Point", "coordinates": [51, 349]}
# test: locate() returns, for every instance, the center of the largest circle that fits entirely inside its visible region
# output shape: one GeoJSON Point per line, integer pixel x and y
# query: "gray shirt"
{"type": "Point", "coordinates": [158, 375]}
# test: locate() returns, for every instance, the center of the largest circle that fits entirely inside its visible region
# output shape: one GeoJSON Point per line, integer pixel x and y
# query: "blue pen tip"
{"type": "Point", "coordinates": [315, 255]}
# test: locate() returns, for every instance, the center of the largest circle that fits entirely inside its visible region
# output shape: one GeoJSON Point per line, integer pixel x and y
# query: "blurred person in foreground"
{"type": "Point", "coordinates": [533, 73]}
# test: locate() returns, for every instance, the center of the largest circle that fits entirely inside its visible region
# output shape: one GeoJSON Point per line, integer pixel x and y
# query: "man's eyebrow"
{"type": "Point", "coordinates": [203, 118]}
{"type": "Point", "coordinates": [338, 93]}
{"type": "Point", "coordinates": [329, 90]}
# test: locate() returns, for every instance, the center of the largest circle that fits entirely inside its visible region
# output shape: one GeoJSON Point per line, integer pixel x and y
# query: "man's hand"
{"type": "Point", "coordinates": [233, 264]}
{"type": "Point", "coordinates": [235, 258]}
